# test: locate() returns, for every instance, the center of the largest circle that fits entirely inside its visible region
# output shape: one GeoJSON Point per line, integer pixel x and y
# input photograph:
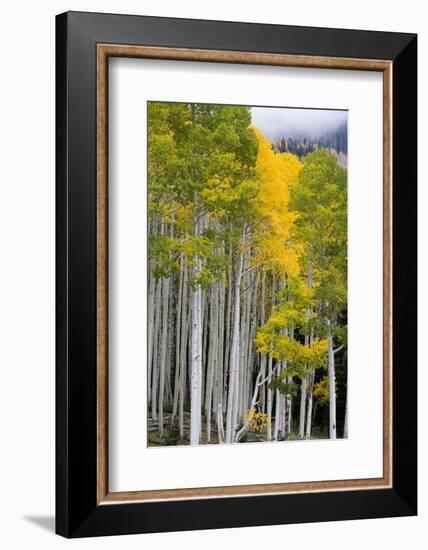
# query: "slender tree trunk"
{"type": "Point", "coordinates": [183, 348]}
{"type": "Point", "coordinates": [200, 357]}
{"type": "Point", "coordinates": [252, 359]}
{"type": "Point", "coordinates": [263, 358]}
{"type": "Point", "coordinates": [196, 368]}
{"type": "Point", "coordinates": [151, 322]}
{"type": "Point", "coordinates": [183, 384]}
{"type": "Point", "coordinates": [302, 408]}
{"type": "Point", "coordinates": [219, 383]}
{"type": "Point", "coordinates": [241, 360]}
{"type": "Point", "coordinates": [212, 357]}
{"type": "Point", "coordinates": [244, 337]}
{"type": "Point", "coordinates": [170, 339]}
{"type": "Point", "coordinates": [220, 428]}
{"type": "Point", "coordinates": [155, 369]}
{"type": "Point", "coordinates": [289, 426]}
{"type": "Point", "coordinates": [282, 408]}
{"type": "Point", "coordinates": [151, 316]}
{"type": "Point", "coordinates": [258, 383]}
{"type": "Point", "coordinates": [269, 400]}
{"type": "Point", "coordinates": [311, 375]}
{"type": "Point", "coordinates": [270, 361]}
{"type": "Point", "coordinates": [204, 336]}
{"type": "Point", "coordinates": [345, 425]}
{"type": "Point", "coordinates": [289, 411]}
{"type": "Point", "coordinates": [331, 385]}
{"type": "Point", "coordinates": [232, 403]}
{"type": "Point", "coordinates": [164, 346]}
{"type": "Point", "coordinates": [178, 341]}
{"type": "Point", "coordinates": [278, 410]}
{"type": "Point", "coordinates": [226, 375]}
{"type": "Point", "coordinates": [310, 401]}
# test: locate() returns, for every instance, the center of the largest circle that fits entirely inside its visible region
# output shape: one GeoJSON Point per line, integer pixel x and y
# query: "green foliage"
{"type": "Point", "coordinates": [289, 389]}
{"type": "Point", "coordinates": [201, 165]}
{"type": "Point", "coordinates": [277, 336]}
{"type": "Point", "coordinates": [300, 358]}
{"type": "Point", "coordinates": [319, 200]}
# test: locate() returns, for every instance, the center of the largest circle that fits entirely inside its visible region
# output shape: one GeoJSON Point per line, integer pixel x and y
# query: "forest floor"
{"type": "Point", "coordinates": [171, 435]}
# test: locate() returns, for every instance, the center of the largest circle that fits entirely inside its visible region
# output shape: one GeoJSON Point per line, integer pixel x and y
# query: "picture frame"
{"type": "Point", "coordinates": [84, 44]}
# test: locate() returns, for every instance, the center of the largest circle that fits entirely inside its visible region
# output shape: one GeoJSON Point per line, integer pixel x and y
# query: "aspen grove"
{"type": "Point", "coordinates": [247, 282]}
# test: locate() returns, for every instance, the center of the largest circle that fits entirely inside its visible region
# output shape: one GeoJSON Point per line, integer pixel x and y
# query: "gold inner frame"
{"type": "Point", "coordinates": [104, 52]}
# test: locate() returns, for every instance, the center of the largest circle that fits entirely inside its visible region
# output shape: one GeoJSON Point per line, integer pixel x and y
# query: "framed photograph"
{"type": "Point", "coordinates": [236, 274]}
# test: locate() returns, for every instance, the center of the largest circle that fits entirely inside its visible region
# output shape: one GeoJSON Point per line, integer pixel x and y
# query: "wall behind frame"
{"type": "Point", "coordinates": [27, 273]}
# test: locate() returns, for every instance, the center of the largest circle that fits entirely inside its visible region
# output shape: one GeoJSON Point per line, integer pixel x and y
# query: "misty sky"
{"type": "Point", "coordinates": [277, 123]}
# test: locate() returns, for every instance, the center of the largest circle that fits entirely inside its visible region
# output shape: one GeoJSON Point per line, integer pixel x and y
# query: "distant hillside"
{"type": "Point", "coordinates": [301, 146]}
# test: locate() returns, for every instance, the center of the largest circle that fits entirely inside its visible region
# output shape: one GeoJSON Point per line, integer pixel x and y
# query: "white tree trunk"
{"type": "Point", "coordinates": [220, 428]}
{"type": "Point", "coordinates": [164, 346]}
{"type": "Point", "coordinates": [212, 357]}
{"type": "Point", "coordinates": [310, 402]}
{"type": "Point", "coordinates": [155, 368]}
{"type": "Point", "coordinates": [331, 385]}
{"type": "Point", "coordinates": [185, 322]}
{"type": "Point", "coordinates": [219, 379]}
{"type": "Point", "coordinates": [151, 319]}
{"type": "Point", "coordinates": [289, 410]}
{"type": "Point", "coordinates": [232, 403]}
{"type": "Point", "coordinates": [200, 354]}
{"type": "Point", "coordinates": [195, 391]}
{"type": "Point", "coordinates": [227, 351]}
{"type": "Point", "coordinates": [259, 382]}
{"type": "Point", "coordinates": [196, 367]}
{"type": "Point", "coordinates": [251, 357]}
{"type": "Point", "coordinates": [278, 408]}
{"type": "Point", "coordinates": [247, 422]}
{"type": "Point", "coordinates": [178, 339]}
{"type": "Point", "coordinates": [302, 408]}
{"type": "Point", "coordinates": [151, 323]}
{"type": "Point", "coordinates": [269, 400]}
{"type": "Point", "coordinates": [345, 426]}
{"type": "Point", "coordinates": [310, 378]}
{"type": "Point", "coordinates": [263, 358]}
{"type": "Point", "coordinates": [270, 361]}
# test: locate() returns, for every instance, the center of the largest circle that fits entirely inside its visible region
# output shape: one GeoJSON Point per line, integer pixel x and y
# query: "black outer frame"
{"type": "Point", "coordinates": [77, 513]}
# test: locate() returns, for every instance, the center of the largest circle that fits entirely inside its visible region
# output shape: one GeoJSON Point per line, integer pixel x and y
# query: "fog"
{"type": "Point", "coordinates": [281, 122]}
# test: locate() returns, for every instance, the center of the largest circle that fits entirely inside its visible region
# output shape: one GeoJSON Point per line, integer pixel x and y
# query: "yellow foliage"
{"type": "Point", "coordinates": [258, 420]}
{"type": "Point", "coordinates": [277, 174]}
{"type": "Point", "coordinates": [321, 390]}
